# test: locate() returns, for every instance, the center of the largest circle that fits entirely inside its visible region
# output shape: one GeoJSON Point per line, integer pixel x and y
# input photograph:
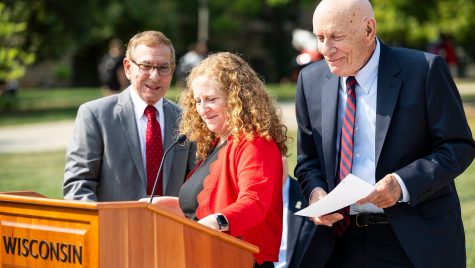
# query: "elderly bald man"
{"type": "Point", "coordinates": [393, 117]}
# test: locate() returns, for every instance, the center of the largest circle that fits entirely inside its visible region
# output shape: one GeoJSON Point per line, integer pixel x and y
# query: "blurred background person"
{"type": "Point", "coordinates": [445, 47]}
{"type": "Point", "coordinates": [119, 140]}
{"type": "Point", "coordinates": [237, 185]}
{"type": "Point", "coordinates": [195, 54]}
{"type": "Point", "coordinates": [296, 230]}
{"type": "Point", "coordinates": [111, 70]}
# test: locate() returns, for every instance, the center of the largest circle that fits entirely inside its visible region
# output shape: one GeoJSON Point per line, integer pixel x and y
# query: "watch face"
{"type": "Point", "coordinates": [222, 222]}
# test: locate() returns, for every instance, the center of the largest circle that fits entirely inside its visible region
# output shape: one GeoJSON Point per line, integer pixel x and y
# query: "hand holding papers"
{"type": "Point", "coordinates": [347, 192]}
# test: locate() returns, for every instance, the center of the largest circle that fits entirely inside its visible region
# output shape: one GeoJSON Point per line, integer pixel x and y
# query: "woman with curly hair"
{"type": "Point", "coordinates": [237, 186]}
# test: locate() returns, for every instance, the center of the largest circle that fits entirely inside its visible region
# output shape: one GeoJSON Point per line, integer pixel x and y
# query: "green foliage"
{"type": "Point", "coordinates": [243, 7]}
{"type": "Point", "coordinates": [56, 28]}
{"type": "Point", "coordinates": [277, 2]}
{"type": "Point", "coordinates": [457, 19]}
{"type": "Point", "coordinates": [62, 72]}
{"type": "Point", "coordinates": [258, 29]}
{"type": "Point", "coordinates": [13, 59]}
{"type": "Point", "coordinates": [398, 24]}
{"type": "Point", "coordinates": [418, 24]}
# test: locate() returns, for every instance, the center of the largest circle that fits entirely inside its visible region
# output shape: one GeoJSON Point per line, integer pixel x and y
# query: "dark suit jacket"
{"type": "Point", "coordinates": [421, 134]}
{"type": "Point", "coordinates": [104, 160]}
{"type": "Point", "coordinates": [299, 229]}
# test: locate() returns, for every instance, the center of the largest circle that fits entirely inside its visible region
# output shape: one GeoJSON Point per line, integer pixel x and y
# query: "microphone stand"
{"type": "Point", "coordinates": [179, 139]}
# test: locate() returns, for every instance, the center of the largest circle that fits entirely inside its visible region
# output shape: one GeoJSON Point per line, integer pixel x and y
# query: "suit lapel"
{"type": "Point", "coordinates": [171, 121]}
{"type": "Point", "coordinates": [329, 106]}
{"type": "Point", "coordinates": [389, 86]}
{"type": "Point", "coordinates": [126, 115]}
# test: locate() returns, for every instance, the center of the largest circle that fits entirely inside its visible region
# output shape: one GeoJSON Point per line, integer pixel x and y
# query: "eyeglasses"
{"type": "Point", "coordinates": [148, 68]}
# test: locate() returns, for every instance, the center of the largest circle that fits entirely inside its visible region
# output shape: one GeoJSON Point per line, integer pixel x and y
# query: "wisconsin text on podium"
{"type": "Point", "coordinates": [46, 250]}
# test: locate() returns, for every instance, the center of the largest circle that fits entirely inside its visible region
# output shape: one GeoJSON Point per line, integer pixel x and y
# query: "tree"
{"type": "Point", "coordinates": [13, 59]}
{"type": "Point", "coordinates": [260, 30]}
{"type": "Point", "coordinates": [81, 29]}
{"type": "Point", "coordinates": [417, 24]}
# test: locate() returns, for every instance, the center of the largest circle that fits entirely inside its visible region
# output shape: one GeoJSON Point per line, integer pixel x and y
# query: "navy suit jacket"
{"type": "Point", "coordinates": [421, 134]}
{"type": "Point", "coordinates": [299, 229]}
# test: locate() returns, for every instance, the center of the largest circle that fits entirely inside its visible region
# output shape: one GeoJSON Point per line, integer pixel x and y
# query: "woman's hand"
{"type": "Point", "coordinates": [210, 221]}
{"type": "Point", "coordinates": [168, 203]}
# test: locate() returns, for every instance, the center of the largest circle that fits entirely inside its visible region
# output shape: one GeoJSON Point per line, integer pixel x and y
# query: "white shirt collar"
{"type": "Point", "coordinates": [140, 104]}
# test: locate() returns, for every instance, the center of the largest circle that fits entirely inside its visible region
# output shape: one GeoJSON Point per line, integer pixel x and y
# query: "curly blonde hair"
{"type": "Point", "coordinates": [251, 110]}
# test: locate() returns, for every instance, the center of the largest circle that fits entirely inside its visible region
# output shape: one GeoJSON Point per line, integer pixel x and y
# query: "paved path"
{"type": "Point", "coordinates": [36, 137]}
{"type": "Point", "coordinates": [56, 135]}
{"type": "Point", "coordinates": [466, 88]}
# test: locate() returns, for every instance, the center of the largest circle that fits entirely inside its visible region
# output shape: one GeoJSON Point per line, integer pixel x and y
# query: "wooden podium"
{"type": "Point", "coordinates": [39, 232]}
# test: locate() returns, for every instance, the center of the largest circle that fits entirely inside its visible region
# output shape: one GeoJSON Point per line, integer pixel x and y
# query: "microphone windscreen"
{"type": "Point", "coordinates": [181, 138]}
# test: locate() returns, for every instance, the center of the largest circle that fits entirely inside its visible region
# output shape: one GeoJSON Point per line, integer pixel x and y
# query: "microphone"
{"type": "Point", "coordinates": [180, 139]}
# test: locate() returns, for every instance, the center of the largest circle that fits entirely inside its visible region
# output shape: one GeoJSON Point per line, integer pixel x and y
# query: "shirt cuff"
{"type": "Point", "coordinates": [311, 193]}
{"type": "Point", "coordinates": [405, 194]}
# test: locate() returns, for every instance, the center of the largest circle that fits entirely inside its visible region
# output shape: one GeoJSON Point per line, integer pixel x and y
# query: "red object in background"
{"type": "Point", "coordinates": [306, 57]}
{"type": "Point", "coordinates": [303, 59]}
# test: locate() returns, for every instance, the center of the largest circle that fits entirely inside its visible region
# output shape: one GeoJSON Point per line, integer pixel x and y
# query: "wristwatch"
{"type": "Point", "coordinates": [222, 223]}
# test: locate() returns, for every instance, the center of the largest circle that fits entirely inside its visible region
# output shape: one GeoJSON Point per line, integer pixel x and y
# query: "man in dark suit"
{"type": "Point", "coordinates": [394, 118]}
{"type": "Point", "coordinates": [296, 230]}
{"type": "Point", "coordinates": [115, 136]}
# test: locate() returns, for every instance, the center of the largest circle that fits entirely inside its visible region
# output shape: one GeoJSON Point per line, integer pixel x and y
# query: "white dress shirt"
{"type": "Point", "coordinates": [364, 138]}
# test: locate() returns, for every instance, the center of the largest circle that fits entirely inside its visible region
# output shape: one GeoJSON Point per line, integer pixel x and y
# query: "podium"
{"type": "Point", "coordinates": [36, 231]}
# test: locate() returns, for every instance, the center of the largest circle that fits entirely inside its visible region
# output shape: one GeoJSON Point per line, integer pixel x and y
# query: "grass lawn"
{"type": "Point", "coordinates": [466, 189]}
{"type": "Point", "coordinates": [43, 105]}
{"type": "Point", "coordinates": [39, 172]}
{"type": "Point", "coordinates": [34, 105]}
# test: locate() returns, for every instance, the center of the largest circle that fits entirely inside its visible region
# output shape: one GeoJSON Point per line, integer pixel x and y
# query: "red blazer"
{"type": "Point", "coordinates": [245, 184]}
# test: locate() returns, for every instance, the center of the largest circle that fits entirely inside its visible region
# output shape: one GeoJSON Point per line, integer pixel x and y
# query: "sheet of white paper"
{"type": "Point", "coordinates": [347, 192]}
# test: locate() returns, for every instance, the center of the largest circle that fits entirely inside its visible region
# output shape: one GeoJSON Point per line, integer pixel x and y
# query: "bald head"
{"type": "Point", "coordinates": [350, 10]}
{"type": "Point", "coordinates": [346, 31]}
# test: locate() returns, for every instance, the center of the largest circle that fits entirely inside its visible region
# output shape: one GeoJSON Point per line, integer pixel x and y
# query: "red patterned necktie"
{"type": "Point", "coordinates": [154, 150]}
{"type": "Point", "coordinates": [346, 148]}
